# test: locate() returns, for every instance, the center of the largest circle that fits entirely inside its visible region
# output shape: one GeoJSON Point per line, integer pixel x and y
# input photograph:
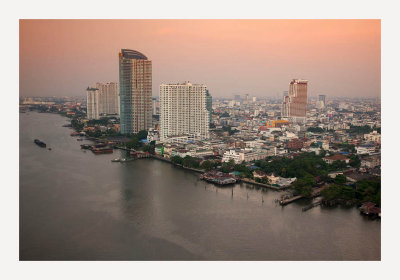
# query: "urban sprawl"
{"type": "Point", "coordinates": [308, 146]}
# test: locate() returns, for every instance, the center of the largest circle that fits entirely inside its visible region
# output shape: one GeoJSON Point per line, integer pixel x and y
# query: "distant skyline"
{"type": "Point", "coordinates": [255, 57]}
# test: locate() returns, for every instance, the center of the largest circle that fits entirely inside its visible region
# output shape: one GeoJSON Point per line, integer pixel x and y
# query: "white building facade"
{"type": "Point", "coordinates": [92, 100]}
{"type": "Point", "coordinates": [183, 111]}
{"type": "Point", "coordinates": [246, 155]}
{"type": "Point", "coordinates": [108, 98]}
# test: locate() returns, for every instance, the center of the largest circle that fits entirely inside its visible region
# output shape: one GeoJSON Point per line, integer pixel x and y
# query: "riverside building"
{"type": "Point", "coordinates": [135, 91]}
{"type": "Point", "coordinates": [183, 111]}
{"type": "Point", "coordinates": [108, 98]}
{"type": "Point", "coordinates": [294, 105]}
{"type": "Point", "coordinates": [92, 101]}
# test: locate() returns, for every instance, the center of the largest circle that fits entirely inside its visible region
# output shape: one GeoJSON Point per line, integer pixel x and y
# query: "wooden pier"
{"type": "Point", "coordinates": [312, 205]}
{"type": "Point", "coordinates": [315, 193]}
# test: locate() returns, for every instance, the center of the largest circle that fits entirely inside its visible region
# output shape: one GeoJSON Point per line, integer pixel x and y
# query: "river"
{"type": "Point", "coordinates": [75, 205]}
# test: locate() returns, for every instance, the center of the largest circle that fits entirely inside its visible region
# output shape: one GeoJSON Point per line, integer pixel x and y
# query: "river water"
{"type": "Point", "coordinates": [75, 205]}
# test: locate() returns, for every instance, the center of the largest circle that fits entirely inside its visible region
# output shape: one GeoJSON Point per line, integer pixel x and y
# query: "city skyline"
{"type": "Point", "coordinates": [255, 57]}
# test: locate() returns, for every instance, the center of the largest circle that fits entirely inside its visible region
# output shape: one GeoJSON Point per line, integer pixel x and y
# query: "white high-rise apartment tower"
{"type": "Point", "coordinates": [92, 101]}
{"type": "Point", "coordinates": [108, 98]}
{"type": "Point", "coordinates": [183, 110]}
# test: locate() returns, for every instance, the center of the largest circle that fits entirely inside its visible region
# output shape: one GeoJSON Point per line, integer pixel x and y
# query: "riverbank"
{"type": "Point", "coordinates": [148, 210]}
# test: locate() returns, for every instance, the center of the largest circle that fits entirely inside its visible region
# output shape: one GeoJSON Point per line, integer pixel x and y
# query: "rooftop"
{"type": "Point", "coordinates": [132, 54]}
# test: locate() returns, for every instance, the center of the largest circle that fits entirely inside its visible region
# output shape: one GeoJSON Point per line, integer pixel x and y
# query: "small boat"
{"type": "Point", "coordinates": [40, 143]}
{"type": "Point", "coordinates": [79, 139]}
{"type": "Point", "coordinates": [49, 149]}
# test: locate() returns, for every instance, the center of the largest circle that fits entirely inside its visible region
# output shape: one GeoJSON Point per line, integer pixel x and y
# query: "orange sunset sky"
{"type": "Point", "coordinates": [257, 57]}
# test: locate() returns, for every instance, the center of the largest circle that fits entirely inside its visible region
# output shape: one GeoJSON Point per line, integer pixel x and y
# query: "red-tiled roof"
{"type": "Point", "coordinates": [336, 157]}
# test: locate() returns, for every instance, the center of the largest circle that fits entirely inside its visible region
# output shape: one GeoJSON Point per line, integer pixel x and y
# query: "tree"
{"type": "Point", "coordinates": [133, 143]}
{"type": "Point", "coordinates": [177, 160]}
{"type": "Point", "coordinates": [191, 162]}
{"type": "Point", "coordinates": [142, 134]}
{"type": "Point", "coordinates": [340, 179]}
{"type": "Point", "coordinates": [149, 148]}
{"type": "Point", "coordinates": [360, 129]}
{"type": "Point", "coordinates": [304, 185]}
{"type": "Point", "coordinates": [315, 129]}
{"type": "Point", "coordinates": [77, 125]}
{"type": "Point", "coordinates": [331, 192]}
{"type": "Point", "coordinates": [338, 165]}
{"type": "Point", "coordinates": [355, 161]}
{"type": "Point", "coordinates": [207, 165]}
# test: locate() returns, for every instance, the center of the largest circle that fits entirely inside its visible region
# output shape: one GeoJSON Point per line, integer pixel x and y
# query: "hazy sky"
{"type": "Point", "coordinates": [258, 57]}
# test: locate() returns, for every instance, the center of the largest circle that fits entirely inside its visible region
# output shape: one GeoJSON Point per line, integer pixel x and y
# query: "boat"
{"type": "Point", "coordinates": [105, 150]}
{"type": "Point", "coordinates": [85, 146]}
{"type": "Point", "coordinates": [79, 139]}
{"type": "Point", "coordinates": [40, 143]}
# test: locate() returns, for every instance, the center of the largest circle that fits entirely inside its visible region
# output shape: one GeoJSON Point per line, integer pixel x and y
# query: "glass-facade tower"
{"type": "Point", "coordinates": [135, 91]}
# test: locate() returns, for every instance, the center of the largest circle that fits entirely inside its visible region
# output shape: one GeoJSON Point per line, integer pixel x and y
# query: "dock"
{"type": "Point", "coordinates": [316, 192]}
{"type": "Point", "coordinates": [284, 202]}
{"type": "Point", "coordinates": [312, 205]}
{"type": "Point", "coordinates": [263, 185]}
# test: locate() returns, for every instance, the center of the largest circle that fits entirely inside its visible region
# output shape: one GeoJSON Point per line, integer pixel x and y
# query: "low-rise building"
{"type": "Point", "coordinates": [373, 137]}
{"type": "Point", "coordinates": [331, 159]}
{"type": "Point", "coordinates": [365, 149]}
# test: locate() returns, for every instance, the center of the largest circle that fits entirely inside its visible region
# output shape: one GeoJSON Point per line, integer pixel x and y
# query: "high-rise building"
{"type": "Point", "coordinates": [156, 106]}
{"type": "Point", "coordinates": [92, 103]}
{"type": "Point", "coordinates": [294, 105]}
{"type": "Point", "coordinates": [135, 91]}
{"type": "Point", "coordinates": [108, 98]}
{"type": "Point", "coordinates": [322, 98]}
{"type": "Point", "coordinates": [209, 104]}
{"type": "Point", "coordinates": [237, 97]}
{"type": "Point", "coordinates": [183, 110]}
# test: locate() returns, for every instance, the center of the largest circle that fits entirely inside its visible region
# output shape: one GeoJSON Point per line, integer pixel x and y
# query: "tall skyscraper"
{"type": "Point", "coordinates": [135, 91]}
{"type": "Point", "coordinates": [183, 110]}
{"type": "Point", "coordinates": [294, 105]}
{"type": "Point", "coordinates": [209, 104]}
{"type": "Point", "coordinates": [92, 103]}
{"type": "Point", "coordinates": [108, 98]}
